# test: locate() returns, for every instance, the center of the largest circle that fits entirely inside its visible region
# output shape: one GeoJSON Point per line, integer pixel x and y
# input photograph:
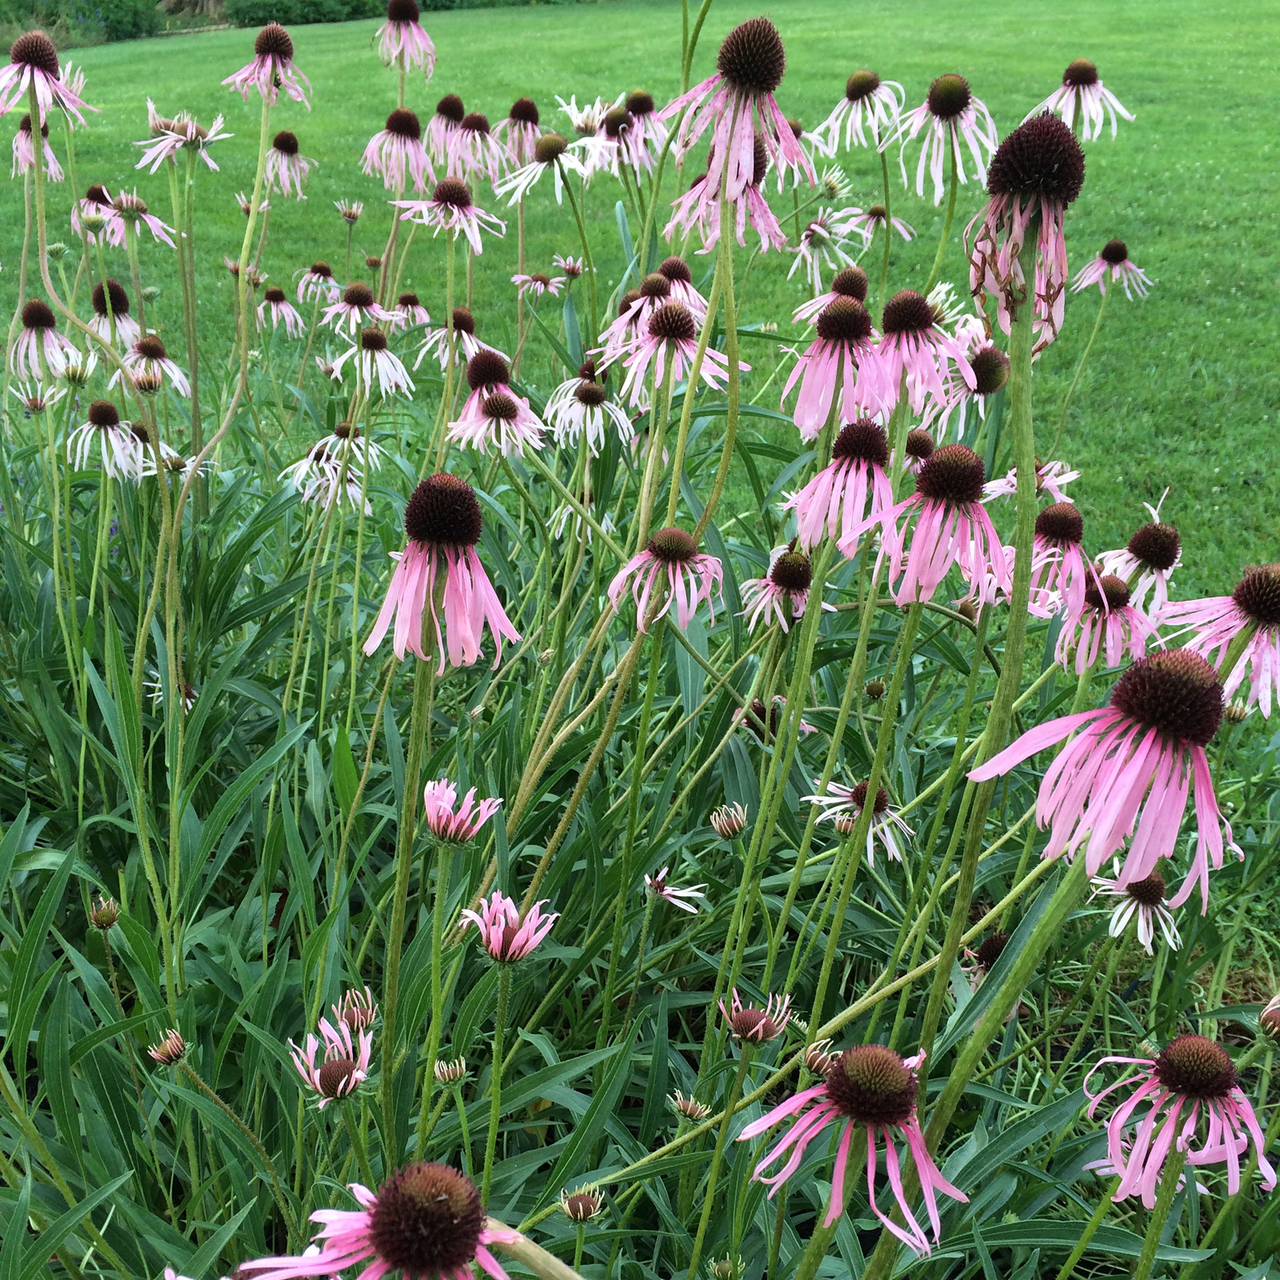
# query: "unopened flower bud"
{"type": "Point", "coordinates": [451, 1071]}
{"type": "Point", "coordinates": [104, 914]}
{"type": "Point", "coordinates": [729, 821]}
{"type": "Point", "coordinates": [545, 657]}
{"type": "Point", "coordinates": [967, 610]}
{"type": "Point", "coordinates": [1269, 1019]}
{"type": "Point", "coordinates": [92, 222]}
{"type": "Point", "coordinates": [687, 1108]}
{"type": "Point", "coordinates": [581, 1205]}
{"type": "Point", "coordinates": [150, 292]}
{"type": "Point", "coordinates": [170, 1050]}
{"type": "Point", "coordinates": [818, 1057]}
{"type": "Point", "coordinates": [726, 1269]}
{"type": "Point", "coordinates": [56, 251]}
{"type": "Point", "coordinates": [1235, 712]}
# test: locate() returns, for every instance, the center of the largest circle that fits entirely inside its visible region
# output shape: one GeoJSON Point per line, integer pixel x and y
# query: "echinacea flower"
{"type": "Point", "coordinates": [699, 210]}
{"type": "Point", "coordinates": [873, 1088]}
{"type": "Point", "coordinates": [737, 105]}
{"type": "Point", "coordinates": [375, 365]}
{"type": "Point", "coordinates": [843, 806]}
{"type": "Point", "coordinates": [848, 282]}
{"type": "Point", "coordinates": [915, 344]}
{"type": "Point", "coordinates": [1035, 174]}
{"type": "Point", "coordinates": [668, 345]}
{"type": "Point", "coordinates": [443, 523]}
{"type": "Point", "coordinates": [580, 409]}
{"type": "Point", "coordinates": [980, 960]}
{"type": "Point", "coordinates": [1126, 773]}
{"type": "Point", "coordinates": [1051, 477]}
{"type": "Point", "coordinates": [1106, 626]}
{"type": "Point", "coordinates": [443, 125]}
{"type": "Point", "coordinates": [646, 134]}
{"type": "Point", "coordinates": [951, 118]}
{"type": "Point", "coordinates": [272, 68]}
{"type": "Point", "coordinates": [571, 266]}
{"type": "Point", "coordinates": [402, 41]}
{"type": "Point", "coordinates": [537, 285]}
{"type": "Point", "coordinates": [586, 119]}
{"type": "Point", "coordinates": [426, 1221]}
{"type": "Point", "coordinates": [396, 154]}
{"type": "Point", "coordinates": [450, 209]}
{"type": "Point", "coordinates": [132, 210]}
{"type": "Point", "coordinates": [691, 577]}
{"type": "Point", "coordinates": [40, 350]}
{"type": "Point", "coordinates": [38, 399]}
{"type": "Point", "coordinates": [465, 342]}
{"type": "Point", "coordinates": [506, 936]}
{"type": "Point", "coordinates": [749, 1022]}
{"type": "Point", "coordinates": [408, 313]}
{"type": "Point", "coordinates": [24, 151]}
{"type": "Point", "coordinates": [493, 416]}
{"type": "Point", "coordinates": [357, 1009]}
{"type": "Point", "coordinates": [990, 367]}
{"type": "Point", "coordinates": [1191, 1075]}
{"type": "Point", "coordinates": [823, 243]}
{"type": "Point", "coordinates": [246, 207]}
{"type": "Point", "coordinates": [603, 150]}
{"type": "Point", "coordinates": [661, 887]}
{"type": "Point", "coordinates": [349, 210]}
{"type": "Point", "coordinates": [451, 822]}
{"type": "Point", "coordinates": [169, 1050]}
{"type": "Point", "coordinates": [688, 1108]}
{"type": "Point", "coordinates": [1141, 900]}
{"type": "Point", "coordinates": [1083, 96]}
{"type": "Point", "coordinates": [782, 594]}
{"type": "Point", "coordinates": [282, 312]}
{"type": "Point", "coordinates": [919, 448]}
{"type": "Point", "coordinates": [344, 1066]}
{"type": "Point", "coordinates": [317, 283]}
{"type": "Point", "coordinates": [148, 358]}
{"type": "Point", "coordinates": [729, 821]}
{"type": "Point", "coordinates": [843, 355]}
{"type": "Point", "coordinates": [518, 130]}
{"type": "Point", "coordinates": [551, 153]}
{"type": "Point", "coordinates": [113, 440]}
{"type": "Point", "coordinates": [450, 1071]}
{"type": "Point", "coordinates": [867, 222]}
{"type": "Point", "coordinates": [1059, 570]}
{"type": "Point", "coordinates": [763, 723]}
{"type": "Point", "coordinates": [1113, 263]}
{"type": "Point", "coordinates": [581, 1205]}
{"type": "Point", "coordinates": [33, 62]}
{"type": "Point", "coordinates": [171, 135]}
{"type": "Point", "coordinates": [286, 167]}
{"type": "Point", "coordinates": [1247, 624]}
{"type": "Point", "coordinates": [354, 309]}
{"type": "Point", "coordinates": [1148, 559]}
{"type": "Point", "coordinates": [635, 307]}
{"type": "Point", "coordinates": [473, 150]}
{"type": "Point", "coordinates": [869, 106]}
{"type": "Point", "coordinates": [675, 270]}
{"type": "Point", "coordinates": [851, 493]}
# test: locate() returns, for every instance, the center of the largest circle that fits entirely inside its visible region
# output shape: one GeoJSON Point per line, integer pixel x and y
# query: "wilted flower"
{"type": "Point", "coordinates": [402, 42]}
{"type": "Point", "coordinates": [287, 168]}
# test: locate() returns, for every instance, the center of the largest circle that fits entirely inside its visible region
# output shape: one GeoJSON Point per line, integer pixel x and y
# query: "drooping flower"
{"type": "Point", "coordinates": [1051, 477]}
{"type": "Point", "coordinates": [171, 135]}
{"type": "Point", "coordinates": [1126, 773]}
{"type": "Point", "coordinates": [646, 134]}
{"type": "Point", "coordinates": [113, 440]}
{"type": "Point", "coordinates": [691, 577]}
{"type": "Point", "coordinates": [443, 523]}
{"type": "Point", "coordinates": [1107, 626]}
{"type": "Point", "coordinates": [869, 106]}
{"type": "Point", "coordinates": [550, 153]}
{"type": "Point", "coordinates": [376, 365]}
{"type": "Point", "coordinates": [473, 150]}
{"type": "Point", "coordinates": [699, 210]}
{"type": "Point", "coordinates": [450, 821]}
{"type": "Point", "coordinates": [537, 285]}
{"type": "Point", "coordinates": [1191, 1075]}
{"type": "Point", "coordinates": [1083, 96]}
{"type": "Point", "coordinates": [396, 154]}
{"type": "Point", "coordinates": [466, 344]}
{"type": "Point", "coordinates": [94, 216]}
{"type": "Point", "coordinates": [148, 358]}
{"type": "Point", "coordinates": [272, 68]}
{"type": "Point", "coordinates": [749, 1022]}
{"type": "Point", "coordinates": [668, 346]}
{"type": "Point", "coordinates": [990, 368]}
{"type": "Point", "coordinates": [493, 416]}
{"type": "Point", "coordinates": [661, 887]}
{"type": "Point", "coordinates": [33, 61]}
{"type": "Point", "coordinates": [1141, 900]}
{"type": "Point", "coordinates": [505, 935]}
{"type": "Point", "coordinates": [1035, 174]}
{"type": "Point", "coordinates": [132, 210]}
{"type": "Point", "coordinates": [848, 282]}
{"type": "Point", "coordinates": [518, 131]}
{"type": "Point", "coordinates": [442, 126]}
{"type": "Point", "coordinates": [580, 408]}
{"type": "Point", "coordinates": [635, 307]}
{"type": "Point", "coordinates": [402, 41]}
{"type": "Point", "coordinates": [675, 270]}
{"type": "Point", "coordinates": [951, 118]}
{"type": "Point", "coordinates": [824, 243]}
{"type": "Point", "coordinates": [867, 222]}
{"type": "Point", "coordinates": [425, 1221]}
{"type": "Point", "coordinates": [915, 344]}
{"type": "Point", "coordinates": [286, 167]}
{"type": "Point", "coordinates": [24, 151]}
{"type": "Point", "coordinates": [355, 308]}
{"type": "Point", "coordinates": [281, 311]}
{"type": "Point", "coordinates": [782, 594]}
{"type": "Point", "coordinates": [1059, 570]}
{"type": "Point", "coordinates": [1251, 613]}
{"type": "Point", "coordinates": [321, 477]}
{"type": "Point", "coordinates": [843, 806]}
{"type": "Point", "coordinates": [585, 120]}
{"type": "Point", "coordinates": [450, 209]}
{"type": "Point", "coordinates": [344, 1066]}
{"type": "Point", "coordinates": [408, 313]}
{"type": "Point", "coordinates": [40, 349]}
{"type": "Point", "coordinates": [1148, 560]}
{"type": "Point", "coordinates": [873, 1088]}
{"type": "Point", "coordinates": [980, 960]}
{"type": "Point", "coordinates": [1113, 263]}
{"type": "Point", "coordinates": [317, 283]}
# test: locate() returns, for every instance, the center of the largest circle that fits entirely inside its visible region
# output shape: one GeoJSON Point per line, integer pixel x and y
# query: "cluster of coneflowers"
{"type": "Point", "coordinates": [887, 393]}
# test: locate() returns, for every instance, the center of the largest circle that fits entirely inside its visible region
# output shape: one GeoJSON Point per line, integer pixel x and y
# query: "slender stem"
{"type": "Point", "coordinates": [888, 225]}
{"type": "Point", "coordinates": [495, 1079]}
{"type": "Point", "coordinates": [356, 1137]}
{"type": "Point", "coordinates": [586, 247]}
{"type": "Point", "coordinates": [444, 861]}
{"type": "Point", "coordinates": [1075, 382]}
{"type": "Point", "coordinates": [1169, 1178]}
{"type": "Point", "coordinates": [1090, 1230]}
{"type": "Point", "coordinates": [951, 213]}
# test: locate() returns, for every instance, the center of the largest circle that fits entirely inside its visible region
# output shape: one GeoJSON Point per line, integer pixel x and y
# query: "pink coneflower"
{"type": "Point", "coordinates": [349, 210]}
{"type": "Point", "coordinates": [402, 42]}
{"type": "Point", "coordinates": [450, 209]}
{"type": "Point", "coordinates": [670, 342]}
{"type": "Point", "coordinates": [506, 937]}
{"type": "Point", "coordinates": [537, 285]}
{"type": "Point", "coordinates": [38, 399]}
{"type": "Point", "coordinates": [24, 151]}
{"type": "Point", "coordinates": [287, 168]}
{"type": "Point", "coordinates": [171, 136]}
{"type": "Point", "coordinates": [916, 344]}
{"type": "Point", "coordinates": [587, 119]}
{"type": "Point", "coordinates": [1141, 900]}
{"type": "Point", "coordinates": [606, 149]}
{"type": "Point", "coordinates": [699, 210]}
{"type": "Point", "coordinates": [426, 1221]}
{"type": "Point", "coordinates": [646, 135]}
{"type": "Point", "coordinates": [782, 594]}
{"type": "Point", "coordinates": [1083, 96]}
{"type": "Point", "coordinates": [1036, 172]}
{"type": "Point", "coordinates": [518, 132]}
{"type": "Point", "coordinates": [357, 1009]}
{"type": "Point", "coordinates": [451, 822]}
{"type": "Point", "coordinates": [1148, 560]}
{"type": "Point", "coordinates": [1059, 570]}
{"type": "Point", "coordinates": [850, 494]}
{"type": "Point", "coordinates": [375, 365]}
{"type": "Point", "coordinates": [282, 311]}
{"type": "Point", "coordinates": [675, 270]}
{"type": "Point", "coordinates": [113, 440]}
{"type": "Point", "coordinates": [344, 1066]}
{"type": "Point", "coordinates": [474, 151]}
{"type": "Point", "coordinates": [551, 153]}
{"type": "Point", "coordinates": [580, 408]}
{"type": "Point", "coordinates": [317, 282]}
{"type": "Point", "coordinates": [843, 352]}
{"type": "Point", "coordinates": [1113, 263]}
{"type": "Point", "coordinates": [493, 415]}
{"type": "Point", "coordinates": [572, 267]}
{"type": "Point", "coordinates": [95, 216]}
{"type": "Point", "coordinates": [1130, 765]}
{"type": "Point", "coordinates": [990, 368]}
{"type": "Point", "coordinates": [634, 310]}
{"type": "Point", "coordinates": [823, 243]}
{"type": "Point", "coordinates": [320, 477]}
{"type": "Point", "coordinates": [169, 1050]}
{"type": "Point", "coordinates": [691, 577]}
{"type": "Point", "coordinates": [748, 1022]}
{"type": "Point", "coordinates": [737, 104]}
{"type": "Point", "coordinates": [980, 960]}
{"type": "Point", "coordinates": [272, 68]}
{"type": "Point", "coordinates": [442, 126]}
{"type": "Point", "coordinates": [1250, 613]}
{"type": "Point", "coordinates": [871, 219]}
{"type": "Point", "coordinates": [1191, 1075]}
{"type": "Point", "coordinates": [919, 448]}
{"type": "Point", "coordinates": [40, 349]}
{"type": "Point", "coordinates": [875, 1088]}
{"type": "Point", "coordinates": [848, 282]}
{"type": "Point", "coordinates": [951, 119]}
{"type": "Point", "coordinates": [355, 308]}
{"type": "Point", "coordinates": [1051, 477]}
{"type": "Point", "coordinates": [844, 805]}
{"type": "Point", "coordinates": [33, 61]}
{"type": "Point", "coordinates": [1107, 625]}
{"type": "Point", "coordinates": [396, 154]}
{"type": "Point", "coordinates": [246, 207]}
{"type": "Point", "coordinates": [408, 313]}
{"type": "Point", "coordinates": [132, 210]}
{"type": "Point", "coordinates": [662, 888]}
{"type": "Point", "coordinates": [351, 445]}
{"type": "Point", "coordinates": [949, 526]}
{"type": "Point", "coordinates": [687, 1108]}
{"type": "Point", "coordinates": [466, 344]}
{"type": "Point", "coordinates": [443, 523]}
{"type": "Point", "coordinates": [148, 358]}
{"type": "Point", "coordinates": [870, 105]}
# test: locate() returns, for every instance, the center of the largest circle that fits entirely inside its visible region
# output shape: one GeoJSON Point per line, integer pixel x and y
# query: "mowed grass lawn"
{"type": "Point", "coordinates": [1182, 390]}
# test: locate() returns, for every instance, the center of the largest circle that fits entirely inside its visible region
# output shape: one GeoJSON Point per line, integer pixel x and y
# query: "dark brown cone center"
{"type": "Point", "coordinates": [548, 147]}
{"type": "Point", "coordinates": [907, 312]}
{"type": "Point", "coordinates": [404, 124]}
{"type": "Point", "coordinates": [1040, 158]}
{"type": "Point", "coordinates": [444, 511]}
{"type": "Point", "coordinates": [487, 369]}
{"type": "Point", "coordinates": [1175, 692]}
{"type": "Point", "coordinates": [862, 441]}
{"type": "Point", "coordinates": [1149, 892]}
{"type": "Point", "coordinates": [1080, 73]}
{"type": "Point", "coordinates": [589, 393]}
{"type": "Point", "coordinates": [358, 295]}
{"type": "Point", "coordinates": [333, 1076]}
{"type": "Point", "coordinates": [451, 108]}
{"type": "Point", "coordinates": [500, 407]}
{"type": "Point", "coordinates": [676, 270]}
{"type": "Point", "coordinates": [1115, 252]}
{"type": "Point", "coordinates": [850, 282]}
{"type": "Point", "coordinates": [872, 1085]}
{"type": "Point", "coordinates": [1114, 594]}
{"type": "Point", "coordinates": [1061, 522]}
{"type": "Point", "coordinates": [990, 370]}
{"type": "Point", "coordinates": [426, 1221]}
{"type": "Point", "coordinates": [792, 572]}
{"type": "Point", "coordinates": [1258, 594]}
{"type": "Point", "coordinates": [672, 322]}
{"type": "Point", "coordinates": [1156, 546]}
{"type": "Point", "coordinates": [453, 192]}
{"type": "Point", "coordinates": [672, 546]}
{"type": "Point", "coordinates": [752, 58]}
{"type": "Point", "coordinates": [35, 49]}
{"type": "Point", "coordinates": [1196, 1067]}
{"type": "Point", "coordinates": [844, 319]}
{"type": "Point", "coordinates": [862, 84]}
{"type": "Point", "coordinates": [948, 96]}
{"type": "Point", "coordinates": [273, 41]}
{"type": "Point", "coordinates": [525, 110]}
{"type": "Point", "coordinates": [953, 474]}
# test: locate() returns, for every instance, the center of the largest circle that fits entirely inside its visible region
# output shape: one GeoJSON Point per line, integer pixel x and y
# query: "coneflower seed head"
{"type": "Point", "coordinates": [952, 474]}
{"type": "Point", "coordinates": [752, 58]}
{"type": "Point", "coordinates": [850, 282]}
{"type": "Point", "coordinates": [1196, 1067]}
{"type": "Point", "coordinates": [1061, 522]}
{"type": "Point", "coordinates": [907, 312]}
{"type": "Point", "coordinates": [844, 319]}
{"type": "Point", "coordinates": [426, 1220]}
{"type": "Point", "coordinates": [453, 192]}
{"type": "Point", "coordinates": [1175, 692]}
{"type": "Point", "coordinates": [35, 49]}
{"type": "Point", "coordinates": [872, 1085]}
{"type": "Point", "coordinates": [487, 369]}
{"type": "Point", "coordinates": [1040, 158]}
{"type": "Point", "coordinates": [273, 41]}
{"type": "Point", "coordinates": [1258, 594]}
{"type": "Point", "coordinates": [444, 511]}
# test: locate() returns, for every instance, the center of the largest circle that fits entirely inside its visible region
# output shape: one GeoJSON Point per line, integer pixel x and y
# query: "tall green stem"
{"type": "Point", "coordinates": [495, 1078]}
{"type": "Point", "coordinates": [1169, 1178]}
{"type": "Point", "coordinates": [1075, 382]}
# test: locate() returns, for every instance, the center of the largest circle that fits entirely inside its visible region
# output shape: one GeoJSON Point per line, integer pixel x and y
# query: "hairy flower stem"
{"type": "Point", "coordinates": [444, 862]}
{"type": "Point", "coordinates": [1075, 382]}
{"type": "Point", "coordinates": [946, 222]}
{"type": "Point", "coordinates": [586, 248]}
{"type": "Point", "coordinates": [451, 343]}
{"type": "Point", "coordinates": [1169, 1177]}
{"type": "Point", "coordinates": [881, 295]}
{"type": "Point", "coordinates": [495, 1078]}
{"type": "Point", "coordinates": [653, 459]}
{"type": "Point", "coordinates": [1090, 1230]}
{"type": "Point", "coordinates": [356, 1137]}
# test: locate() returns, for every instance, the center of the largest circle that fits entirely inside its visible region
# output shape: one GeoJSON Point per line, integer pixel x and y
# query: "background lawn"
{"type": "Point", "coordinates": [1181, 391]}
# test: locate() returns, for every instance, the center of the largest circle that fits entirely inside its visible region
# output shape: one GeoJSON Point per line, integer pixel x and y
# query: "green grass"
{"type": "Point", "coordinates": [1181, 391]}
